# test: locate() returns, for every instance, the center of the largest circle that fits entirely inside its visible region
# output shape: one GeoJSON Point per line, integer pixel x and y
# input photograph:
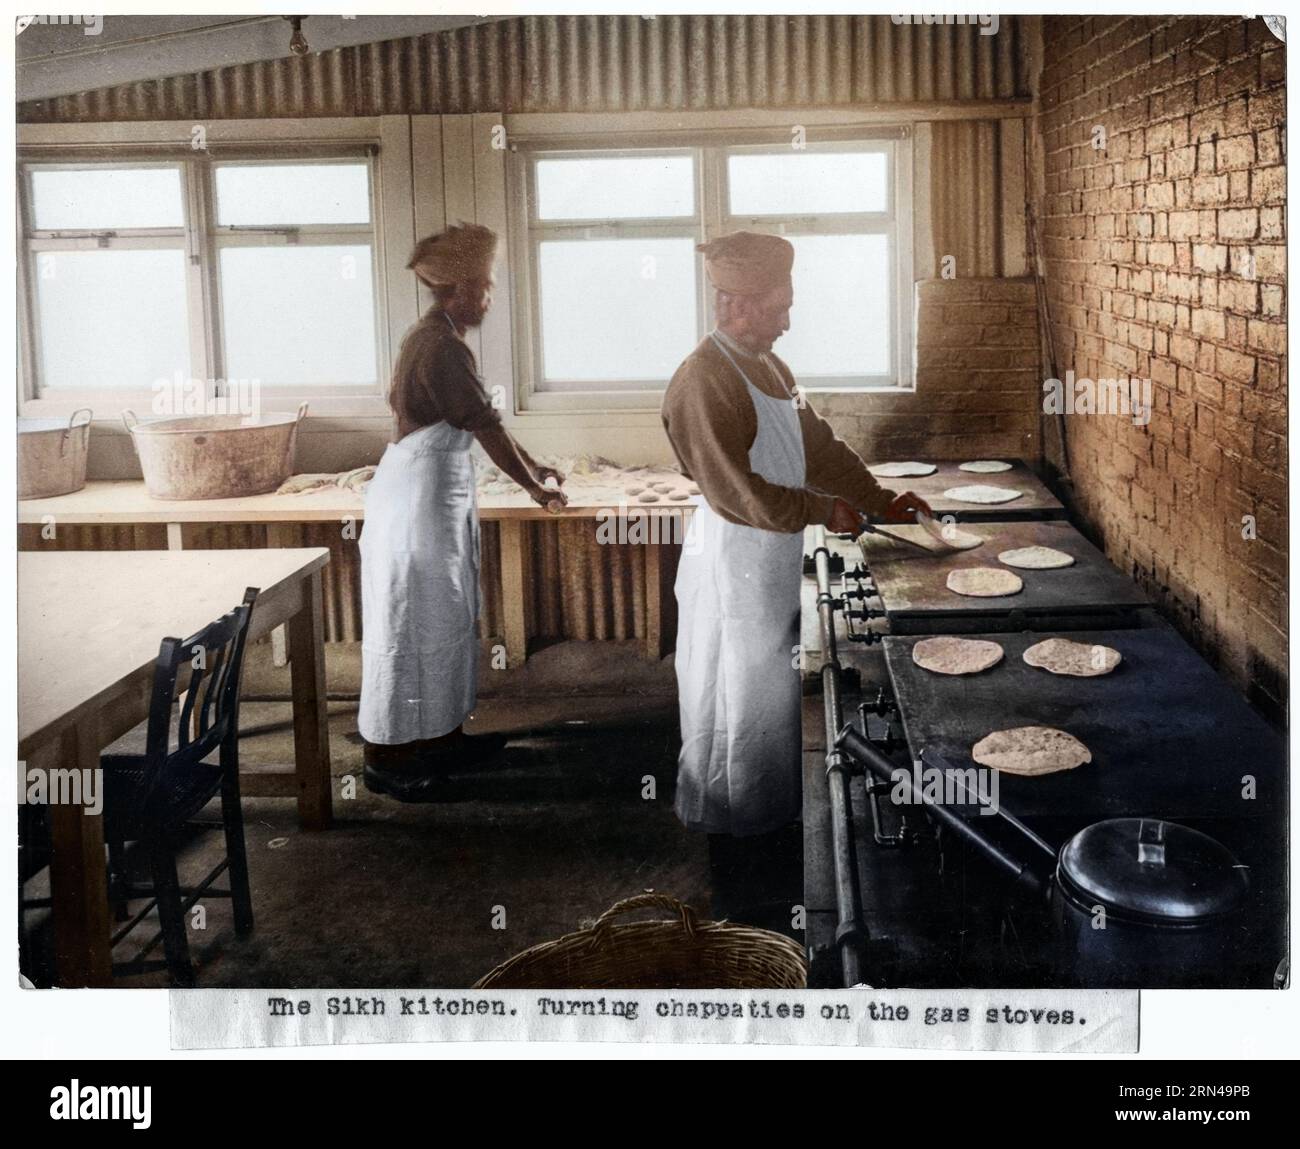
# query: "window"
{"type": "Point", "coordinates": [295, 256]}
{"type": "Point", "coordinates": [613, 295]}
{"type": "Point", "coordinates": [229, 272]}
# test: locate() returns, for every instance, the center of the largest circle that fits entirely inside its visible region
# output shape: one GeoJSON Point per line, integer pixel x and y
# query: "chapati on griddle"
{"type": "Point", "coordinates": [1030, 751]}
{"type": "Point", "coordinates": [1036, 558]}
{"type": "Point", "coordinates": [936, 541]}
{"type": "Point", "coordinates": [984, 582]}
{"type": "Point", "coordinates": [948, 535]}
{"type": "Point", "coordinates": [945, 654]}
{"type": "Point", "coordinates": [1078, 659]}
{"type": "Point", "coordinates": [902, 470]}
{"type": "Point", "coordinates": [985, 466]}
{"type": "Point", "coordinates": [981, 493]}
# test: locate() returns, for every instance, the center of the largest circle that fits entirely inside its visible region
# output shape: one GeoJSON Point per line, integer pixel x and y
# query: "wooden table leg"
{"type": "Point", "coordinates": [311, 734]}
{"type": "Point", "coordinates": [277, 536]}
{"type": "Point", "coordinates": [660, 602]}
{"type": "Point", "coordinates": [513, 590]}
{"type": "Point", "coordinates": [78, 879]}
{"type": "Point", "coordinates": [175, 536]}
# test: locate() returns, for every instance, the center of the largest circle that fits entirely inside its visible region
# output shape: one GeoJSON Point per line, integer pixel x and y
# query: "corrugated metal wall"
{"type": "Point", "coordinates": [590, 63]}
{"type": "Point", "coordinates": [965, 196]}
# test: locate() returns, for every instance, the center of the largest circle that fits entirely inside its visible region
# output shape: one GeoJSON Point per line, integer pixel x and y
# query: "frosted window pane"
{"type": "Point", "coordinates": [619, 309]}
{"type": "Point", "coordinates": [299, 314]}
{"type": "Point", "coordinates": [107, 199]}
{"type": "Point", "coordinates": [264, 195]}
{"type": "Point", "coordinates": [807, 183]}
{"type": "Point", "coordinates": [112, 318]}
{"type": "Point", "coordinates": [617, 187]}
{"type": "Point", "coordinates": [840, 322]}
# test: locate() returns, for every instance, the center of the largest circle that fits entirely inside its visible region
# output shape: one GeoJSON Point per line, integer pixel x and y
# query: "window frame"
{"type": "Point", "coordinates": [220, 237]}
{"type": "Point", "coordinates": [711, 147]}
{"type": "Point", "coordinates": [396, 188]}
{"type": "Point", "coordinates": [202, 240]}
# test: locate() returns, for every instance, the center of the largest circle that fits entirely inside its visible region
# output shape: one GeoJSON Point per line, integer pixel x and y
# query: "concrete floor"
{"type": "Point", "coordinates": [402, 895]}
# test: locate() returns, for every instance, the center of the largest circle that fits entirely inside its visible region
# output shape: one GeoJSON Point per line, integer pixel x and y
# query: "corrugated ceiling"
{"type": "Point", "coordinates": [590, 63]}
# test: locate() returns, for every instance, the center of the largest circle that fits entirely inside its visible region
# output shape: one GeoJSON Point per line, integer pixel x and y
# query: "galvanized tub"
{"type": "Point", "coordinates": [214, 456]}
{"type": "Point", "coordinates": [52, 455]}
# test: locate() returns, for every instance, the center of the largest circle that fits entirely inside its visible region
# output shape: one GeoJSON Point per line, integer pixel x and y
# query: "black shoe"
{"type": "Point", "coordinates": [407, 786]}
{"type": "Point", "coordinates": [468, 752]}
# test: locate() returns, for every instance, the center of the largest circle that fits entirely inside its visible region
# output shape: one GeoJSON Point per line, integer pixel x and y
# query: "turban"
{"type": "Point", "coordinates": [457, 255]}
{"type": "Point", "coordinates": [748, 262]}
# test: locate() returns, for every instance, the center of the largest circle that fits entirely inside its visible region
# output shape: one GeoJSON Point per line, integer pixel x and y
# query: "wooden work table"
{"type": "Point", "coordinates": [90, 624]}
{"type": "Point", "coordinates": [128, 503]}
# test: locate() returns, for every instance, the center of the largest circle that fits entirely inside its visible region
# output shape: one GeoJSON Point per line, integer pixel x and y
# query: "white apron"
{"type": "Point", "coordinates": [738, 624]}
{"type": "Point", "coordinates": [420, 589]}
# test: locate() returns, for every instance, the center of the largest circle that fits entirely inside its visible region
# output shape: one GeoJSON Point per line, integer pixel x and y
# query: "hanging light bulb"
{"type": "Point", "coordinates": [297, 42]}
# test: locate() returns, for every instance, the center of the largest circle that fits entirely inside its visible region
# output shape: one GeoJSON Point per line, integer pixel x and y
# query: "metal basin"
{"type": "Point", "coordinates": [52, 455]}
{"type": "Point", "coordinates": [214, 456]}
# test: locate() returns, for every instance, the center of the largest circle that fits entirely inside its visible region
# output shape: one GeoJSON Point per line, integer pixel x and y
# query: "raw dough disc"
{"type": "Point", "coordinates": [980, 493]}
{"type": "Point", "coordinates": [901, 470]}
{"type": "Point", "coordinates": [679, 496]}
{"type": "Point", "coordinates": [648, 497]}
{"type": "Point", "coordinates": [1079, 659]}
{"type": "Point", "coordinates": [1036, 558]}
{"type": "Point", "coordinates": [635, 490]}
{"type": "Point", "coordinates": [947, 655]}
{"type": "Point", "coordinates": [985, 466]}
{"type": "Point", "coordinates": [1030, 750]}
{"type": "Point", "coordinates": [984, 582]}
{"type": "Point", "coordinates": [692, 490]}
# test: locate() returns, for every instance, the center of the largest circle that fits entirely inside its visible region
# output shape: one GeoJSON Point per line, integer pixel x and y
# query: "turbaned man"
{"type": "Point", "coordinates": [767, 465]}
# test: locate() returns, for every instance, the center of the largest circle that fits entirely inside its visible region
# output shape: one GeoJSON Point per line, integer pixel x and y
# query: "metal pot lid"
{"type": "Point", "coordinates": [1152, 870]}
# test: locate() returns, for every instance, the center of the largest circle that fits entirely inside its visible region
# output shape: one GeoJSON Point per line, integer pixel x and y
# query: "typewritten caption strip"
{"type": "Point", "coordinates": [1077, 1021]}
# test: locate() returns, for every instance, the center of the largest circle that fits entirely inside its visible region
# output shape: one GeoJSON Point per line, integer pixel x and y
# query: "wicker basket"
{"type": "Point", "coordinates": [684, 953]}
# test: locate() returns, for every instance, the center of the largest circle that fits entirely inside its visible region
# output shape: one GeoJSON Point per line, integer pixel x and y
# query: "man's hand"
{"type": "Point", "coordinates": [904, 508]}
{"type": "Point", "coordinates": [552, 498]}
{"type": "Point", "coordinates": [544, 473]}
{"type": "Point", "coordinates": [844, 519]}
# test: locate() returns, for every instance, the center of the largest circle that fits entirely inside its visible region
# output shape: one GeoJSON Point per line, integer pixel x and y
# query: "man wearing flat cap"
{"type": "Point", "coordinates": [420, 542]}
{"type": "Point", "coordinates": [767, 465]}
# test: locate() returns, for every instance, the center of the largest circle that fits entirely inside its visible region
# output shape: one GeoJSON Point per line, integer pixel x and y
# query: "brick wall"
{"type": "Point", "coordinates": [978, 379]}
{"type": "Point", "coordinates": [1166, 260]}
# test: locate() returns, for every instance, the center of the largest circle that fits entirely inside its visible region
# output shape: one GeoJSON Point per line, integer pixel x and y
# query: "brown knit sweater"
{"type": "Point", "coordinates": [710, 421]}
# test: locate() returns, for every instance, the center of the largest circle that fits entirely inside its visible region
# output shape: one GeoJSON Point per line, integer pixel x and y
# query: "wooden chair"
{"type": "Point", "coordinates": [151, 798]}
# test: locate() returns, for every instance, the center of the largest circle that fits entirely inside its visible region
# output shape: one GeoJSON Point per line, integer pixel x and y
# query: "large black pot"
{"type": "Point", "coordinates": [1136, 902]}
{"type": "Point", "coordinates": [1141, 902]}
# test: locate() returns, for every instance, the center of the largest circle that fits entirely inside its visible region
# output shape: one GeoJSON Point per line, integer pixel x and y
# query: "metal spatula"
{"type": "Point", "coordinates": [870, 528]}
